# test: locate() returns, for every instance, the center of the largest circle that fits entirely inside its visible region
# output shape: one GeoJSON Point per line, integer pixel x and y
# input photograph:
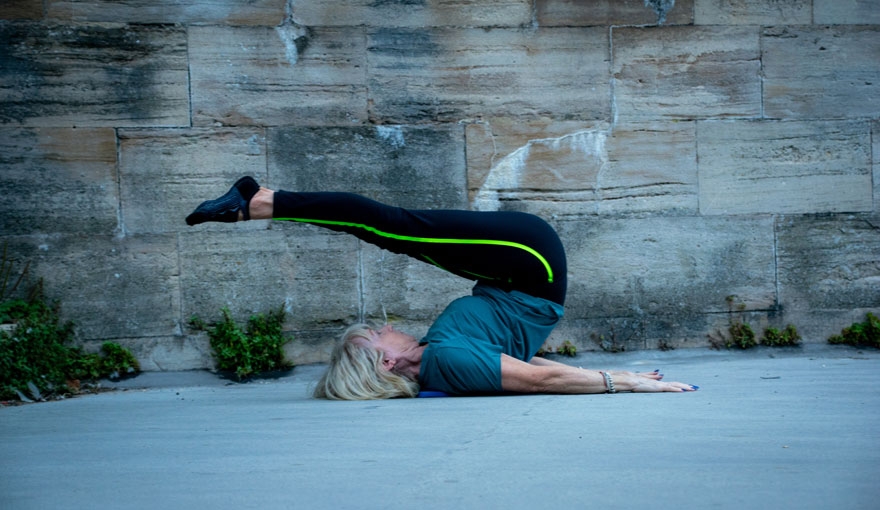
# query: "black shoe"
{"type": "Point", "coordinates": [226, 208]}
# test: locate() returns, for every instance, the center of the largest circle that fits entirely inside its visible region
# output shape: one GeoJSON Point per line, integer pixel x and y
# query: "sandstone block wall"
{"type": "Point", "coordinates": [685, 154]}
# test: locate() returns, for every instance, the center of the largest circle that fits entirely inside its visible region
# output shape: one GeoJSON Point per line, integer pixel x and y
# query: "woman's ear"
{"type": "Point", "coordinates": [387, 362]}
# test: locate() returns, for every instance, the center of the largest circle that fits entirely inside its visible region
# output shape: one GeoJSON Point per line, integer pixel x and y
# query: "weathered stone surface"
{"type": "Point", "coordinates": [652, 167]}
{"type": "Point", "coordinates": [447, 75]}
{"type": "Point", "coordinates": [111, 287]}
{"type": "Point", "coordinates": [415, 14]}
{"type": "Point", "coordinates": [165, 353]}
{"type": "Point", "coordinates": [875, 138]}
{"type": "Point", "coordinates": [784, 167]}
{"type": "Point", "coordinates": [842, 79]}
{"type": "Point", "coordinates": [753, 12]}
{"type": "Point", "coordinates": [667, 266]}
{"type": "Point", "coordinates": [550, 165]}
{"type": "Point", "coordinates": [277, 76]}
{"type": "Point", "coordinates": [584, 113]}
{"type": "Point", "coordinates": [851, 12]}
{"type": "Point", "coordinates": [569, 13]}
{"type": "Point", "coordinates": [166, 173]}
{"type": "Point", "coordinates": [816, 326]}
{"type": "Point", "coordinates": [232, 12]}
{"type": "Point", "coordinates": [405, 292]}
{"type": "Point", "coordinates": [62, 180]}
{"type": "Point", "coordinates": [21, 9]}
{"type": "Point", "coordinates": [309, 272]}
{"type": "Point", "coordinates": [93, 75]}
{"type": "Point", "coordinates": [686, 73]}
{"type": "Point", "coordinates": [829, 262]}
{"type": "Point", "coordinates": [312, 346]}
{"type": "Point", "coordinates": [696, 330]}
{"type": "Point", "coordinates": [662, 282]}
{"type": "Point", "coordinates": [573, 168]}
{"type": "Point", "coordinates": [408, 166]}
{"type": "Point", "coordinates": [323, 279]}
{"type": "Point", "coordinates": [660, 331]}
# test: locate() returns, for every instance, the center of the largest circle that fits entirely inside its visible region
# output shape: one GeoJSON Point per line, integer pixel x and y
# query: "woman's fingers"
{"type": "Point", "coordinates": [654, 386]}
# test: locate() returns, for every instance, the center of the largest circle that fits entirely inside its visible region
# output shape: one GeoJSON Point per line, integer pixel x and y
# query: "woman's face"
{"type": "Point", "coordinates": [390, 341]}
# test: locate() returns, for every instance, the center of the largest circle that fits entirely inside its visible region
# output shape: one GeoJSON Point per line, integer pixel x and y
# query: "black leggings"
{"type": "Point", "coordinates": [510, 250]}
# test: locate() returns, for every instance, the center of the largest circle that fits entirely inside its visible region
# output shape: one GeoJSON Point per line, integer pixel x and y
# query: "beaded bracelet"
{"type": "Point", "coordinates": [609, 382]}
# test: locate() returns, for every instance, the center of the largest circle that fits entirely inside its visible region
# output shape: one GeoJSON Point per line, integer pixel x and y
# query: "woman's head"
{"type": "Point", "coordinates": [357, 371]}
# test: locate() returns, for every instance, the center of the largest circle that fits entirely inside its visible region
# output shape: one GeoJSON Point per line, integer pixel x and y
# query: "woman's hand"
{"type": "Point", "coordinates": [646, 382]}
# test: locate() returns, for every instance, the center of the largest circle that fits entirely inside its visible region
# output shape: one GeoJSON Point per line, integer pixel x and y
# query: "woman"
{"type": "Point", "coordinates": [483, 343]}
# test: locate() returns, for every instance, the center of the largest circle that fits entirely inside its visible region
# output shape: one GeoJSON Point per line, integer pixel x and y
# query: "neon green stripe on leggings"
{"type": "Point", "coordinates": [429, 239]}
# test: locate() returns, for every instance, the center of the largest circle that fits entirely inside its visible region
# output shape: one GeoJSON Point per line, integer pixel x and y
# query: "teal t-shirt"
{"type": "Point", "coordinates": [465, 343]}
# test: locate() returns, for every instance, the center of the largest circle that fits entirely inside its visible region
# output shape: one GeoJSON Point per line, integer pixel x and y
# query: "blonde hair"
{"type": "Point", "coordinates": [356, 372]}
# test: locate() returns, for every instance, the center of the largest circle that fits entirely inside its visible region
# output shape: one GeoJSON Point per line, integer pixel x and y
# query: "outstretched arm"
{"type": "Point", "coordinates": [545, 376]}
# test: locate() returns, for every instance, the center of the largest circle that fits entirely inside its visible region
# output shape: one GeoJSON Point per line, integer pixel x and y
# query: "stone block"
{"type": "Point", "coordinates": [686, 331]}
{"type": "Point", "coordinates": [166, 173]}
{"type": "Point", "coordinates": [829, 262]}
{"type": "Point", "coordinates": [93, 75]}
{"type": "Point", "coordinates": [21, 10]}
{"type": "Point", "coordinates": [231, 12]}
{"type": "Point", "coordinates": [405, 292]}
{"type": "Point", "coordinates": [171, 353]}
{"type": "Point", "coordinates": [276, 76]}
{"type": "Point", "coordinates": [419, 167]}
{"type": "Point", "coordinates": [667, 266]}
{"type": "Point", "coordinates": [62, 180]}
{"type": "Point", "coordinates": [661, 331]}
{"type": "Point", "coordinates": [651, 167]}
{"type": "Point", "coordinates": [686, 73]}
{"type": "Point", "coordinates": [784, 167]}
{"type": "Point", "coordinates": [324, 282]}
{"type": "Point", "coordinates": [568, 13]}
{"type": "Point", "coordinates": [609, 334]}
{"type": "Point", "coordinates": [109, 286]}
{"type": "Point", "coordinates": [577, 168]}
{"type": "Point", "coordinates": [816, 326]}
{"type": "Point", "coordinates": [414, 14]}
{"type": "Point", "coordinates": [841, 81]}
{"type": "Point", "coordinates": [311, 273]}
{"type": "Point", "coordinates": [312, 346]}
{"type": "Point", "coordinates": [446, 75]}
{"type": "Point", "coordinates": [753, 12]}
{"type": "Point", "coordinates": [851, 12]}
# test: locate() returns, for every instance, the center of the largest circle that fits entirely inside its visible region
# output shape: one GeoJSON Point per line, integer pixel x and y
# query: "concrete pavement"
{"type": "Point", "coordinates": [768, 429]}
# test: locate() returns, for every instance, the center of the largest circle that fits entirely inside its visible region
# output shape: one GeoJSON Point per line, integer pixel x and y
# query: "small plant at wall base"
{"type": "Point", "coordinates": [739, 333]}
{"type": "Point", "coordinates": [34, 357]}
{"type": "Point", "coordinates": [257, 349]}
{"type": "Point", "coordinates": [860, 334]}
{"type": "Point", "coordinates": [567, 349]}
{"type": "Point", "coordinates": [788, 337]}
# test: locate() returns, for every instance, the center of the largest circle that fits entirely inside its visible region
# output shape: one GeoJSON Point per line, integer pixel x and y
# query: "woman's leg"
{"type": "Point", "coordinates": [511, 250]}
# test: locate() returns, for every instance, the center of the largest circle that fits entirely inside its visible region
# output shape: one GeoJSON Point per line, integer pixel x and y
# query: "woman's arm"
{"type": "Point", "coordinates": [545, 376]}
{"type": "Point", "coordinates": [543, 362]}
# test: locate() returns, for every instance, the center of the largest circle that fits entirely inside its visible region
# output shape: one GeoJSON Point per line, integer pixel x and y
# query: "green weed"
{"type": "Point", "coordinates": [860, 334]}
{"type": "Point", "coordinates": [248, 352]}
{"type": "Point", "coordinates": [567, 349]}
{"type": "Point", "coordinates": [35, 358]}
{"type": "Point", "coordinates": [739, 333]}
{"type": "Point", "coordinates": [786, 338]}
